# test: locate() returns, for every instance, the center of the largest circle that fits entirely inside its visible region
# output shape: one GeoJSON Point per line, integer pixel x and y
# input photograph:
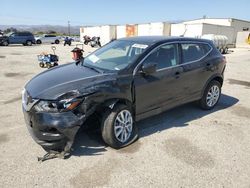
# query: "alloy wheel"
{"type": "Point", "coordinates": [213, 95]}
{"type": "Point", "coordinates": [123, 126]}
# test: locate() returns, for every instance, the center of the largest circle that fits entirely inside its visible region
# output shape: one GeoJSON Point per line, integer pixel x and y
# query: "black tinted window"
{"type": "Point", "coordinates": [24, 34]}
{"type": "Point", "coordinates": [165, 56]}
{"type": "Point", "coordinates": [193, 52]}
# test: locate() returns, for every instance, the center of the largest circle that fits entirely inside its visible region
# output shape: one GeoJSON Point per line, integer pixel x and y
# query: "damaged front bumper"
{"type": "Point", "coordinates": [53, 131]}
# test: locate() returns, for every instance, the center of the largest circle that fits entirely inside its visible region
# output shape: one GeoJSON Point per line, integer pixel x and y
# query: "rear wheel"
{"type": "Point", "coordinates": [225, 50]}
{"type": "Point", "coordinates": [211, 95]}
{"type": "Point", "coordinates": [48, 65]}
{"type": "Point", "coordinates": [118, 127]}
{"type": "Point", "coordinates": [57, 41]}
{"type": "Point", "coordinates": [221, 50]}
{"type": "Point", "coordinates": [39, 42]}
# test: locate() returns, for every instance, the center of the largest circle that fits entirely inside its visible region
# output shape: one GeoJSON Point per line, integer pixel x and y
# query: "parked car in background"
{"type": "Point", "coordinates": [25, 38]}
{"type": "Point", "coordinates": [123, 82]}
{"type": "Point", "coordinates": [48, 38]}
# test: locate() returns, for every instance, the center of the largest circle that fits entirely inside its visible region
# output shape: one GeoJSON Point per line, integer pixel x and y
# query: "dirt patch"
{"type": "Point", "coordinates": [12, 100]}
{"type": "Point", "coordinates": [133, 148]}
{"type": "Point", "coordinates": [185, 151]}
{"type": "Point", "coordinates": [3, 138]}
{"type": "Point", "coordinates": [15, 74]}
{"type": "Point", "coordinates": [241, 111]}
{"type": "Point", "coordinates": [239, 82]}
{"type": "Point", "coordinates": [2, 56]}
{"type": "Point", "coordinates": [95, 176]}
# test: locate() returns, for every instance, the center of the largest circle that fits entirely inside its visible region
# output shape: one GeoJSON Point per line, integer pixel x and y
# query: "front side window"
{"type": "Point", "coordinates": [194, 52]}
{"type": "Point", "coordinates": [165, 56]}
{"type": "Point", "coordinates": [116, 55]}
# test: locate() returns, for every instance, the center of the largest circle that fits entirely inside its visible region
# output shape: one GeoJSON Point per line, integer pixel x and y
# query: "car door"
{"type": "Point", "coordinates": [13, 38]}
{"type": "Point", "coordinates": [46, 39]}
{"type": "Point", "coordinates": [195, 72]}
{"type": "Point", "coordinates": [155, 91]}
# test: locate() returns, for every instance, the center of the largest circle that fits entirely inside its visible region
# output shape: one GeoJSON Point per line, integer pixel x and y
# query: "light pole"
{"type": "Point", "coordinates": [69, 28]}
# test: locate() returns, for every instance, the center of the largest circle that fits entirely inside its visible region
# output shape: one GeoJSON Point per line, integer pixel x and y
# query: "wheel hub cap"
{"type": "Point", "coordinates": [123, 126]}
{"type": "Point", "coordinates": [213, 95]}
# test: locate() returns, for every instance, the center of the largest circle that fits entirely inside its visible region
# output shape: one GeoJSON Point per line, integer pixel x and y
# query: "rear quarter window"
{"type": "Point", "coordinates": [194, 51]}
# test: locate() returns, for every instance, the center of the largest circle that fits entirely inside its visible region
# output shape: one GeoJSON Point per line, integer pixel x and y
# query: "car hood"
{"type": "Point", "coordinates": [51, 84]}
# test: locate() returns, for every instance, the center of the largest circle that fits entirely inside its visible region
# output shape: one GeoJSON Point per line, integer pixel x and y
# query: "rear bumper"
{"type": "Point", "coordinates": [53, 131]}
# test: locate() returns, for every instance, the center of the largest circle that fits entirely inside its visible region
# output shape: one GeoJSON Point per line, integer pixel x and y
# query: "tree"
{"type": "Point", "coordinates": [51, 32]}
{"type": "Point", "coordinates": [11, 29]}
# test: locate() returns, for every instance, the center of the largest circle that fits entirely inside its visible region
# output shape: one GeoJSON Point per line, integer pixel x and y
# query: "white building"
{"type": "Point", "coordinates": [109, 32]}
{"type": "Point", "coordinates": [219, 26]}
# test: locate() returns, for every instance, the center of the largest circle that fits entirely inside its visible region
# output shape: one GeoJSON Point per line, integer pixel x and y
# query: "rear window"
{"type": "Point", "coordinates": [50, 35]}
{"type": "Point", "coordinates": [194, 51]}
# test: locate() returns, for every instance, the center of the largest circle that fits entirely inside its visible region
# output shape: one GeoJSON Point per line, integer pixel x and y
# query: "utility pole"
{"type": "Point", "coordinates": [69, 28]}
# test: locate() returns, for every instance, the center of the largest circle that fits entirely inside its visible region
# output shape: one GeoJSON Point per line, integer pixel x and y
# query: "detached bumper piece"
{"type": "Point", "coordinates": [53, 155]}
{"type": "Point", "coordinates": [55, 132]}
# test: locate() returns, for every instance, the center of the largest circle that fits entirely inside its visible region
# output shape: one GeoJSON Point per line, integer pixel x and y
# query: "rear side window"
{"type": "Point", "coordinates": [194, 51]}
{"type": "Point", "coordinates": [165, 56]}
{"type": "Point", "coordinates": [25, 34]}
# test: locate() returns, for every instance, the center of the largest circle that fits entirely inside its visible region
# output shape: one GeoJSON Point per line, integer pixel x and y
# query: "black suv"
{"type": "Point", "coordinates": [123, 82]}
{"type": "Point", "coordinates": [25, 38]}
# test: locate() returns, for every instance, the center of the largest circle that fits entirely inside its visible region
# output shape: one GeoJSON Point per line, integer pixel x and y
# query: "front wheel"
{"type": "Point", "coordinates": [57, 41]}
{"type": "Point", "coordinates": [41, 64]}
{"type": "Point", "coordinates": [28, 43]}
{"type": "Point", "coordinates": [5, 43]}
{"type": "Point", "coordinates": [211, 95]}
{"type": "Point", "coordinates": [118, 127]}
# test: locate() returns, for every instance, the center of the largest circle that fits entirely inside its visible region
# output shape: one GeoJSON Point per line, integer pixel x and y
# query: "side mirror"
{"type": "Point", "coordinates": [149, 68]}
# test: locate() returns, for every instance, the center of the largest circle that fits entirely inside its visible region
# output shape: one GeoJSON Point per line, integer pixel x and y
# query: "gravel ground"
{"type": "Point", "coordinates": [183, 147]}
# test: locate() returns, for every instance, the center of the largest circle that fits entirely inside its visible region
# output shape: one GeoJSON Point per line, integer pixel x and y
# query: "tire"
{"type": "Point", "coordinates": [28, 43]}
{"type": "Point", "coordinates": [39, 41]}
{"type": "Point", "coordinates": [41, 64]}
{"type": "Point", "coordinates": [221, 50]}
{"type": "Point", "coordinates": [57, 41]}
{"type": "Point", "coordinates": [5, 43]}
{"type": "Point", "coordinates": [110, 122]}
{"type": "Point", "coordinates": [225, 50]}
{"type": "Point", "coordinates": [55, 64]}
{"type": "Point", "coordinates": [85, 42]}
{"type": "Point", "coordinates": [212, 91]}
{"type": "Point", "coordinates": [47, 65]}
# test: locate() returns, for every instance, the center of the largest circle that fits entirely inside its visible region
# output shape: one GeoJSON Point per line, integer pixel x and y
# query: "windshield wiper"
{"type": "Point", "coordinates": [93, 68]}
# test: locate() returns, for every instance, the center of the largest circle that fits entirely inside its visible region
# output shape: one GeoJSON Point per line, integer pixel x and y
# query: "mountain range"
{"type": "Point", "coordinates": [44, 28]}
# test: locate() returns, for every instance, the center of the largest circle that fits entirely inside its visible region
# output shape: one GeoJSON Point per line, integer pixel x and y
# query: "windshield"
{"type": "Point", "coordinates": [115, 56]}
{"type": "Point", "coordinates": [8, 34]}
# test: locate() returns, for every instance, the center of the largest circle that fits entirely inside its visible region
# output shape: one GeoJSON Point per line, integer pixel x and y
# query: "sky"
{"type": "Point", "coordinates": [100, 12]}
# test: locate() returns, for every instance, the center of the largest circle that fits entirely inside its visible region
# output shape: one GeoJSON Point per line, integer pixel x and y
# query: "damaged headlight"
{"type": "Point", "coordinates": [66, 102]}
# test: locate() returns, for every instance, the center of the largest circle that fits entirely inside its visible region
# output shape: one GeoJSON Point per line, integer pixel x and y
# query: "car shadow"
{"type": "Point", "coordinates": [89, 142]}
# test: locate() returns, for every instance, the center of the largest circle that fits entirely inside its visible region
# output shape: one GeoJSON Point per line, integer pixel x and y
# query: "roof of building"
{"type": "Point", "coordinates": [217, 19]}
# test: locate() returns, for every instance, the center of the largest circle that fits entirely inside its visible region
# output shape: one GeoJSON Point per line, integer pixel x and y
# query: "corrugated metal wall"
{"type": "Point", "coordinates": [107, 32]}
